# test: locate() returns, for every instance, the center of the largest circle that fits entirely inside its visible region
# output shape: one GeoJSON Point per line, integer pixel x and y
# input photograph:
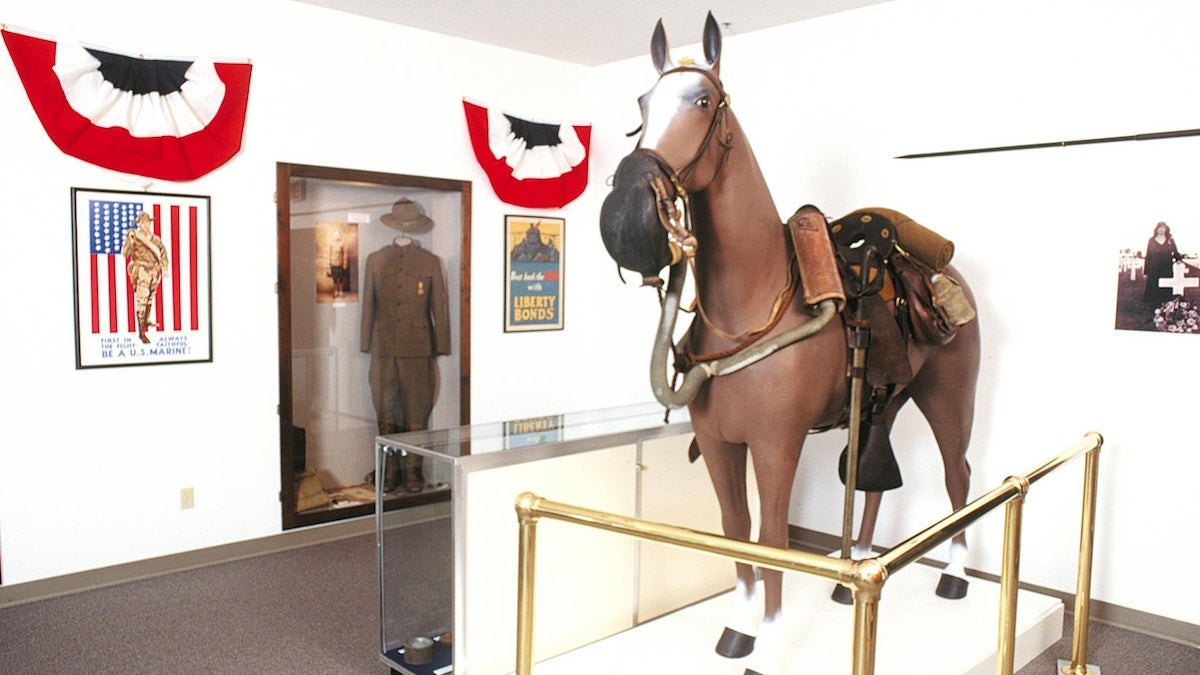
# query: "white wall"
{"type": "Point", "coordinates": [92, 461]}
{"type": "Point", "coordinates": [827, 103]}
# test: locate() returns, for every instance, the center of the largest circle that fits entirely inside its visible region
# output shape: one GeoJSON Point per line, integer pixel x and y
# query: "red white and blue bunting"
{"type": "Point", "coordinates": [168, 119]}
{"type": "Point", "coordinates": [532, 164]}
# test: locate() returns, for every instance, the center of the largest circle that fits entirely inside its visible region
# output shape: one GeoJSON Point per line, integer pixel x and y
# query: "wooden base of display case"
{"type": "Point", "coordinates": [391, 501]}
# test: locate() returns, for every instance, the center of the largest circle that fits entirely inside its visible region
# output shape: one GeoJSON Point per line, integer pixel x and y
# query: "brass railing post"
{"type": "Point", "coordinates": [868, 585]}
{"type": "Point", "coordinates": [1009, 578]}
{"type": "Point", "coordinates": [865, 577]}
{"type": "Point", "coordinates": [1083, 579]}
{"type": "Point", "coordinates": [526, 568]}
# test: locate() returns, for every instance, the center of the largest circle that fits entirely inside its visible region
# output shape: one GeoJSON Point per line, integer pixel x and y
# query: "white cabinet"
{"type": "Point", "coordinates": [590, 584]}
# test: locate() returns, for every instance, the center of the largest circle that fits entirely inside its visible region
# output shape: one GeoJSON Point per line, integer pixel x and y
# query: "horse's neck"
{"type": "Point", "coordinates": [742, 252]}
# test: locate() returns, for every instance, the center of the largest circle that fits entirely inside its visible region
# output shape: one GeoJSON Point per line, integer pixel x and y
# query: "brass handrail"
{"type": "Point", "coordinates": [865, 578]}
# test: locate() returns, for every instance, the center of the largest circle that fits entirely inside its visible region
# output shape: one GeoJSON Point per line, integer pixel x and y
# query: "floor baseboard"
{"type": "Point", "coordinates": [42, 589]}
{"type": "Point", "coordinates": [1115, 615]}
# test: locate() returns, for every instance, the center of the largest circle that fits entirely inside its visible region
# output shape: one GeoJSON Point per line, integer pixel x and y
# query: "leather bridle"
{"type": "Point", "coordinates": [681, 237]}
{"type": "Point", "coordinates": [678, 222]}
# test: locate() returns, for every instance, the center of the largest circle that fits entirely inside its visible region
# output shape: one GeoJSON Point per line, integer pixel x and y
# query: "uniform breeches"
{"type": "Point", "coordinates": [145, 280]}
{"type": "Point", "coordinates": [402, 391]}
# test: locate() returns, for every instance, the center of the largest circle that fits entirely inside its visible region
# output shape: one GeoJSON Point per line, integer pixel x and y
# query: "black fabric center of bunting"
{"type": "Point", "coordinates": [534, 133]}
{"type": "Point", "coordinates": [141, 76]}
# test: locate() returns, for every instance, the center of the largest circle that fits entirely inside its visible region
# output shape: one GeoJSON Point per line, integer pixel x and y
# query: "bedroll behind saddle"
{"type": "Point", "coordinates": [904, 262]}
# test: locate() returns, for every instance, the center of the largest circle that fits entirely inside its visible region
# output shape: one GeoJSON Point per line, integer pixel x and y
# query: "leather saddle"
{"type": "Point", "coordinates": [889, 305]}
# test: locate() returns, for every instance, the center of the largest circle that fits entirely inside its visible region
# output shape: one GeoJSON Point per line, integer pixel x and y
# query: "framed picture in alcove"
{"type": "Point", "coordinates": [142, 278]}
{"type": "Point", "coordinates": [533, 273]}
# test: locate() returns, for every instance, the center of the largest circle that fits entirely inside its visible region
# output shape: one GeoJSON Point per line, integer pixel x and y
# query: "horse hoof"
{"type": "Point", "coordinates": [734, 645]}
{"type": "Point", "coordinates": [842, 595]}
{"type": "Point", "coordinates": [951, 588]}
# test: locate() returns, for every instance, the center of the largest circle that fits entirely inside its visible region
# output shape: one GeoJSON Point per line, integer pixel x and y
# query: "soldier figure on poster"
{"type": "Point", "coordinates": [147, 263]}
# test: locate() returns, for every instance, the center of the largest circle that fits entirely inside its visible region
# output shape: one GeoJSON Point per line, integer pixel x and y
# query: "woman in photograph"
{"type": "Point", "coordinates": [1161, 254]}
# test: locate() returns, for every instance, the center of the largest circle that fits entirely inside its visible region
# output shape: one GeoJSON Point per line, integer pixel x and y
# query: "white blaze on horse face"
{"type": "Point", "coordinates": [675, 97]}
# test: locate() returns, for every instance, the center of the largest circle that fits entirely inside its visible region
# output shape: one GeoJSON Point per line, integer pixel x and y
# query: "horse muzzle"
{"type": "Point", "coordinates": [630, 224]}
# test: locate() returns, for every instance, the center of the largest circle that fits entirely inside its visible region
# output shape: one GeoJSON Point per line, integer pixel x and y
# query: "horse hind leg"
{"type": "Point", "coordinates": [952, 584]}
{"type": "Point", "coordinates": [949, 407]}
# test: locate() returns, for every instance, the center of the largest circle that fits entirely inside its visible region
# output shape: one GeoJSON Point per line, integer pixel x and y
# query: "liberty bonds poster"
{"type": "Point", "coordinates": [534, 273]}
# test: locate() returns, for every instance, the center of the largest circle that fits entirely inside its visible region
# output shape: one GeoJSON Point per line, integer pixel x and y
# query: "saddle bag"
{"type": "Point", "coordinates": [936, 303]}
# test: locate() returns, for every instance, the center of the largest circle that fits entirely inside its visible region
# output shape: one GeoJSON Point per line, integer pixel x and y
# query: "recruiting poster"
{"type": "Point", "coordinates": [142, 284]}
{"type": "Point", "coordinates": [534, 271]}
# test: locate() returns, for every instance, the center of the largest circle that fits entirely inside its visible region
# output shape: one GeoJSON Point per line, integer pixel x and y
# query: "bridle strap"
{"type": "Point", "coordinates": [681, 236]}
{"type": "Point", "coordinates": [718, 118]}
{"type": "Point", "coordinates": [726, 143]}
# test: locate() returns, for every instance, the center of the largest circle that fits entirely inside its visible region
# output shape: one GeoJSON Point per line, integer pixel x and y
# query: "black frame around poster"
{"type": "Point", "coordinates": [106, 329]}
{"type": "Point", "coordinates": [533, 273]}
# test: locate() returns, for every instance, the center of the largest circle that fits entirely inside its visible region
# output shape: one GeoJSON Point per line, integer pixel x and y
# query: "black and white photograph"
{"type": "Point", "coordinates": [1158, 284]}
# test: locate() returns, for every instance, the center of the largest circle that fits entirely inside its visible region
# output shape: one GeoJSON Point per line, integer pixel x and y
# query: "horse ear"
{"type": "Point", "coordinates": [659, 51]}
{"type": "Point", "coordinates": [712, 43]}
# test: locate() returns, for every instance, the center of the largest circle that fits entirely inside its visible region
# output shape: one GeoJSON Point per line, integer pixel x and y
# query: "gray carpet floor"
{"type": "Point", "coordinates": [315, 610]}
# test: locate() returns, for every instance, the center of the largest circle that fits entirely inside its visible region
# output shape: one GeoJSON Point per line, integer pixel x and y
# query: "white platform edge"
{"type": "Point", "coordinates": [917, 632]}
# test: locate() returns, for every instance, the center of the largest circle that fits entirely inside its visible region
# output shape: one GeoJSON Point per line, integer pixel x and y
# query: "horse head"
{"type": "Point", "coordinates": [682, 115]}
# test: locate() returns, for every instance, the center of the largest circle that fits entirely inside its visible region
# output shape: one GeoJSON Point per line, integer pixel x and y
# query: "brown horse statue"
{"type": "Point", "coordinates": [759, 400]}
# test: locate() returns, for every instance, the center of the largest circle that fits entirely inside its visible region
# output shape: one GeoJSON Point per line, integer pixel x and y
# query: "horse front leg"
{"type": "Point", "coordinates": [726, 464]}
{"type": "Point", "coordinates": [774, 470]}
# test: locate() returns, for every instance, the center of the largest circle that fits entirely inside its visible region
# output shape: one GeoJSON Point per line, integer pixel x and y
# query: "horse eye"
{"type": "Point", "coordinates": [704, 101]}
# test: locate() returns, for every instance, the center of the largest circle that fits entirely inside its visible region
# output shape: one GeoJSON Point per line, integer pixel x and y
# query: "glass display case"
{"type": "Point", "coordinates": [374, 276]}
{"type": "Point", "coordinates": [448, 571]}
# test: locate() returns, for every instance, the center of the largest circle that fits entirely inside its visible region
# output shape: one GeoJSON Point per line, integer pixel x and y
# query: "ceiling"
{"type": "Point", "coordinates": [587, 33]}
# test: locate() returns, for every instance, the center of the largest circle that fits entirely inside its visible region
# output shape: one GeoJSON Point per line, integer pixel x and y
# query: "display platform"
{"type": "Point", "coordinates": [917, 632]}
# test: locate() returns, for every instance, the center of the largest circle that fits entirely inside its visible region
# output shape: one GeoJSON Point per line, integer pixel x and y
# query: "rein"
{"type": "Point", "coordinates": [746, 337]}
{"type": "Point", "coordinates": [665, 391]}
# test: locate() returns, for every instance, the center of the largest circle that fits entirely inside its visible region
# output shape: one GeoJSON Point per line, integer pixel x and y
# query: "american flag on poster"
{"type": "Point", "coordinates": [107, 325]}
{"type": "Point", "coordinates": [176, 302]}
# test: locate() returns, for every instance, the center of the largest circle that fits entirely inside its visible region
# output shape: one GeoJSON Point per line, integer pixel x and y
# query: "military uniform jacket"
{"type": "Point", "coordinates": [405, 310]}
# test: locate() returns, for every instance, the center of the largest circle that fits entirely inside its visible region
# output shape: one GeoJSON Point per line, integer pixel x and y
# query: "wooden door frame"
{"type": "Point", "coordinates": [284, 174]}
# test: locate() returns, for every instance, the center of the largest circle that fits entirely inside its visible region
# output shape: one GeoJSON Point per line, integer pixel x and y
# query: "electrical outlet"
{"type": "Point", "coordinates": [187, 498]}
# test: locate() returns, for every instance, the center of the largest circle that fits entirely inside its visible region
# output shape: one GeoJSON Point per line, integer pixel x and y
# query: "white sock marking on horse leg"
{"type": "Point", "coordinates": [768, 648]}
{"type": "Point", "coordinates": [742, 618]}
{"type": "Point", "coordinates": [958, 560]}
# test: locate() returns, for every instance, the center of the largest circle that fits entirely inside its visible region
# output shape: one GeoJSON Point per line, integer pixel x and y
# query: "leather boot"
{"type": "Point", "coordinates": [414, 478]}
{"type": "Point", "coordinates": [391, 467]}
{"type": "Point", "coordinates": [391, 473]}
